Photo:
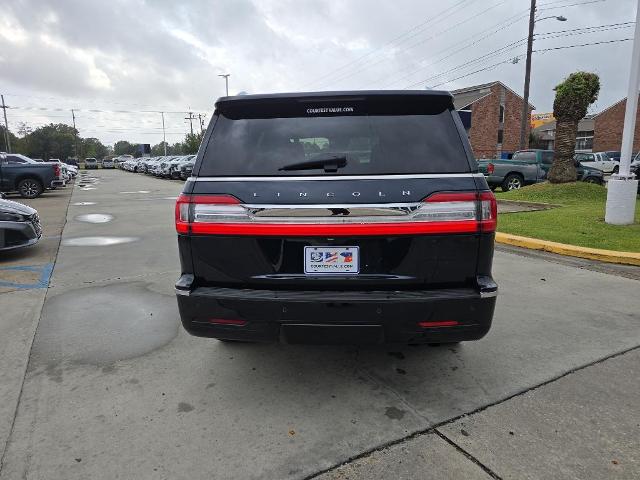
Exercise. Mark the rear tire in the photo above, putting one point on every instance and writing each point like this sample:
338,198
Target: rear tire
513,181
30,188
593,180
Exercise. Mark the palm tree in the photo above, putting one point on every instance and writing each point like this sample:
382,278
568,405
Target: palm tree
573,97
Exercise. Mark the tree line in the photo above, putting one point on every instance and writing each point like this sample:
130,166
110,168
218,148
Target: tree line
58,140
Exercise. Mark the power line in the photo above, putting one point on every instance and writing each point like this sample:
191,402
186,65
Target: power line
384,46
62,109
436,35
570,5
534,51
520,15
588,28
89,100
473,41
580,31
490,67
470,62
511,46
583,45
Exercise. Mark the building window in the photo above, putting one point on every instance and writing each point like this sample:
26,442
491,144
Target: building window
500,136
501,120
584,140
584,143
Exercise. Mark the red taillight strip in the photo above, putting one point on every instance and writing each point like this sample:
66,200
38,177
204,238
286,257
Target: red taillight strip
184,226
338,230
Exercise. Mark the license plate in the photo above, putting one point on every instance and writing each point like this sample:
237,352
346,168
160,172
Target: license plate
331,260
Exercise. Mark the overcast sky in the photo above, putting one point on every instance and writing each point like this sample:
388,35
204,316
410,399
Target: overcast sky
137,56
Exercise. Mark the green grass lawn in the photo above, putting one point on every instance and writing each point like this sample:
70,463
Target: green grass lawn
578,221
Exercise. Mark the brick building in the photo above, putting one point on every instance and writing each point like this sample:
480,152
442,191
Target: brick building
608,128
546,135
491,113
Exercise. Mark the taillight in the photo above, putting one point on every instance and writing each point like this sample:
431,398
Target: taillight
56,170
488,214
449,207
206,209
440,213
491,168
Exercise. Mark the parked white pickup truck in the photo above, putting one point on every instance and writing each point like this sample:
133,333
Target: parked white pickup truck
598,160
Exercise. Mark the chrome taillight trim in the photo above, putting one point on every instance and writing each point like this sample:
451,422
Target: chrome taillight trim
336,214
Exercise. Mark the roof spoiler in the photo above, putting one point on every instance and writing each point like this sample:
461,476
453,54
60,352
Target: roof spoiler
384,102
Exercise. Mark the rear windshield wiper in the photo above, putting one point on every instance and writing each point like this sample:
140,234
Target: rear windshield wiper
329,164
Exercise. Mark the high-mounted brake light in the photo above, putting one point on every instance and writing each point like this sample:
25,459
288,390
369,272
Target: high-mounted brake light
440,213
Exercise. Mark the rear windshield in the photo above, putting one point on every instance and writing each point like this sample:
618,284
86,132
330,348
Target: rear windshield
366,144
524,156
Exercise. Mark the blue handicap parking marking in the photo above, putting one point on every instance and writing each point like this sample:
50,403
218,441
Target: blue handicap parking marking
43,282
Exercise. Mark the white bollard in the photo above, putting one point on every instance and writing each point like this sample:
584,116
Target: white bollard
621,201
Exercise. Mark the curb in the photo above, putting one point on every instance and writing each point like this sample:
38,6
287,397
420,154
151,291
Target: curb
609,256
528,204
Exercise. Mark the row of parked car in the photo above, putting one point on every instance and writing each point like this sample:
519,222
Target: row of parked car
526,167
172,167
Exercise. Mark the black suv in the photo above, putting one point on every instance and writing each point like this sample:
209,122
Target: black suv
338,217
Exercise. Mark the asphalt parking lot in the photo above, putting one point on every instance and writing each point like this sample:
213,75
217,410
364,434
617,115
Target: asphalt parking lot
112,387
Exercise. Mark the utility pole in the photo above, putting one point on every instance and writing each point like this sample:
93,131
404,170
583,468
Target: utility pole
75,135
526,119
191,118
622,188
226,81
201,118
164,136
527,77
6,126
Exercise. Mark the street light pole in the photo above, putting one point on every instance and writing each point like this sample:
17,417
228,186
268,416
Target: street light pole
527,76
75,135
622,188
7,139
226,81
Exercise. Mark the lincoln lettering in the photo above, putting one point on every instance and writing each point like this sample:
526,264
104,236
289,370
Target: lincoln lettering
405,193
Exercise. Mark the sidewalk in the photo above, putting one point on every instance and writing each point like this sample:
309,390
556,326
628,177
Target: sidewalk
584,425
24,275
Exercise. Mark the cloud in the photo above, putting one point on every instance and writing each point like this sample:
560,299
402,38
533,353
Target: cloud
141,55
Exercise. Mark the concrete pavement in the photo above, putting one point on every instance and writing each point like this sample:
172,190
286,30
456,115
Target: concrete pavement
24,275
116,389
585,425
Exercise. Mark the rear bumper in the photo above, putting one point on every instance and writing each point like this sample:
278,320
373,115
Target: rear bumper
333,317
